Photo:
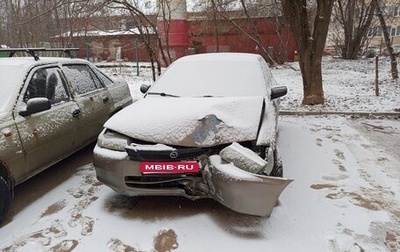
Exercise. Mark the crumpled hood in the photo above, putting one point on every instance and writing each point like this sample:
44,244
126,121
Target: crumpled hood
192,122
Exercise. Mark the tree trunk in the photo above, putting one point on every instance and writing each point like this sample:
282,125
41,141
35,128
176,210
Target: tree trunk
310,29
393,60
216,36
349,28
312,79
355,17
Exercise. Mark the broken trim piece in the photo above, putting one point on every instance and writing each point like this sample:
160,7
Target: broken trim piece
242,191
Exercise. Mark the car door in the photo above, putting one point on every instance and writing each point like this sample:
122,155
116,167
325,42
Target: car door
93,99
48,135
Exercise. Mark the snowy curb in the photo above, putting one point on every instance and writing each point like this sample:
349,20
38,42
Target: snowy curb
321,112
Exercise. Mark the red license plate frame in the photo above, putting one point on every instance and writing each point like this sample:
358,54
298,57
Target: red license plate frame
148,167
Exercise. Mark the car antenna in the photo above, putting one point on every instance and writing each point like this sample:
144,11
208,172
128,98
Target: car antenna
32,52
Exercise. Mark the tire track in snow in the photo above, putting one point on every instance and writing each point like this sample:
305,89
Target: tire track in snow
379,191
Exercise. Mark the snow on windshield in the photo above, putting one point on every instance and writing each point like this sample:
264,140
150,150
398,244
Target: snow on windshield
215,78
9,86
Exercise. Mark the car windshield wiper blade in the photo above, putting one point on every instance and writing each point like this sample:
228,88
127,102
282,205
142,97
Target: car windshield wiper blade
162,94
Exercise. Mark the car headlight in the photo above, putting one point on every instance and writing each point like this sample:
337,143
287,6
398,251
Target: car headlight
112,140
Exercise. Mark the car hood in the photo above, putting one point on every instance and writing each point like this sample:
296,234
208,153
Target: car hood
191,122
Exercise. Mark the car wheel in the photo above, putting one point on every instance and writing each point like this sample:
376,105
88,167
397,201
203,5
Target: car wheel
5,198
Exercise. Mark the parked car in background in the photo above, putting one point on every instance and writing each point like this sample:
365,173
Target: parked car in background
207,128
49,109
331,50
372,51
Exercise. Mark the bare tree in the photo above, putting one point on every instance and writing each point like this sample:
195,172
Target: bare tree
34,23
257,38
309,22
252,33
393,60
355,18
214,18
147,31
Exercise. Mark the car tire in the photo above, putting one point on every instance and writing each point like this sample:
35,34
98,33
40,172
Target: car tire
5,198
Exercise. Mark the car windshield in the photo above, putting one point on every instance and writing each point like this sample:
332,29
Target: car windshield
215,78
10,76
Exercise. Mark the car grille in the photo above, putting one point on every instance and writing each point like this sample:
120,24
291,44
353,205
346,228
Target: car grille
157,182
178,154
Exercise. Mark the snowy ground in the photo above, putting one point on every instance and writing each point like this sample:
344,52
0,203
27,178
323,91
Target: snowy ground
348,86
345,195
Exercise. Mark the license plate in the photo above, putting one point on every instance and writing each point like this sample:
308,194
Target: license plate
169,167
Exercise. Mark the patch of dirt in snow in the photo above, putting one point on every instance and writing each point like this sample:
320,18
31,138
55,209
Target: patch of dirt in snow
86,192
43,238
54,208
166,240
118,245
65,246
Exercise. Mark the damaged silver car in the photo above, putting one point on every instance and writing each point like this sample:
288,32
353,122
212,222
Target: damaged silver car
207,128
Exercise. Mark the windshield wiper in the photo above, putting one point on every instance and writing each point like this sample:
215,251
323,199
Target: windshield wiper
162,94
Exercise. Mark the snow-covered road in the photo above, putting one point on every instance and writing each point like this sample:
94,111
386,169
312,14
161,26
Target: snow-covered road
345,197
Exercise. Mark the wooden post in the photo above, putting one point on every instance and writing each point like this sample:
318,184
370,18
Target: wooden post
376,77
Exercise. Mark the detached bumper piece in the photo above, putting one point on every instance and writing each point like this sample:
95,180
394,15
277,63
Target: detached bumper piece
237,188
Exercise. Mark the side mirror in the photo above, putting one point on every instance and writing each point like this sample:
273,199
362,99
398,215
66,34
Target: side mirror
36,105
144,88
277,92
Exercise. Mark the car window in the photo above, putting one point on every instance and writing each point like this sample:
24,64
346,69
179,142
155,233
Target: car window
47,82
106,80
82,78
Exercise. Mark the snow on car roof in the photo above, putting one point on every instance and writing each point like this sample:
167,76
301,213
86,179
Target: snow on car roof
221,56
215,74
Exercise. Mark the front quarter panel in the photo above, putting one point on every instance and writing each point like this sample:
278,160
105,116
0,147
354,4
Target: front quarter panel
269,124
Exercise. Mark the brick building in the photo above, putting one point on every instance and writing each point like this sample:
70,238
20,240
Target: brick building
200,35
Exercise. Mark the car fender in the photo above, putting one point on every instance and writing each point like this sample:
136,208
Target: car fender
242,191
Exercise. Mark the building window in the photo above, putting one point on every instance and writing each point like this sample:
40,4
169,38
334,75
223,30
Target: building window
394,11
378,31
393,31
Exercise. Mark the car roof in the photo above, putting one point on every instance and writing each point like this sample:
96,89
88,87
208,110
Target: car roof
30,61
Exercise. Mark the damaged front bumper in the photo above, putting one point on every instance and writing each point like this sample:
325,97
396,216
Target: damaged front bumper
242,191
236,177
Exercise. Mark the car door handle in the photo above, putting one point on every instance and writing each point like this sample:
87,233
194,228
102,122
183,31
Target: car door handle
76,113
105,99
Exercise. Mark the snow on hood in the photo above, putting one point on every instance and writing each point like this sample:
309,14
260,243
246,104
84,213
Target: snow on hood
192,122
